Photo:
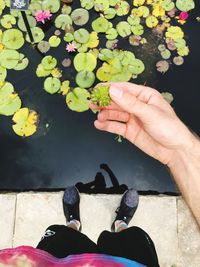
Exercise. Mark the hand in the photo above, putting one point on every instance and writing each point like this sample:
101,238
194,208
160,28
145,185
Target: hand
141,115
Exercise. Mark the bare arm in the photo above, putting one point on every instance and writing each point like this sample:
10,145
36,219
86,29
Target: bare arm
141,115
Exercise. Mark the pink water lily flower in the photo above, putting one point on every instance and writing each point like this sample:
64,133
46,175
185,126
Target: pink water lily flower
71,47
183,15
47,14
40,16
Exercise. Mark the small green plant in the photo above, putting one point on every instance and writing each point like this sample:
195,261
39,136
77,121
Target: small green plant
100,95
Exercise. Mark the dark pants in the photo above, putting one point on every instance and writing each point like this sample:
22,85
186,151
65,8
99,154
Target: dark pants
132,243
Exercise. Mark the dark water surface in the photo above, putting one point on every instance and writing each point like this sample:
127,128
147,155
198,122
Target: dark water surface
70,150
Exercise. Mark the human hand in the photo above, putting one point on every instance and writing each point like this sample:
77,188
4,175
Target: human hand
141,115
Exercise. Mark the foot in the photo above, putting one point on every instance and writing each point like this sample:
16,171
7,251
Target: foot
71,201
127,208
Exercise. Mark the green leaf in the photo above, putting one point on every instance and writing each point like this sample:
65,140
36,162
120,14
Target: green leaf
13,39
77,100
52,85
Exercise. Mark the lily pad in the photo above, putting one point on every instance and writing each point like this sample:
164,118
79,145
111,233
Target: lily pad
87,4
43,46
137,29
133,20
80,16
62,21
101,5
68,37
22,63
168,97
52,5
151,21
9,100
162,66
100,25
25,122
166,54
178,60
111,34
85,79
8,21
64,89
85,61
136,66
42,72
49,62
31,20
38,35
34,7
52,85
66,9
110,13
54,41
13,39
185,5
77,100
168,5
9,58
122,8
123,28
81,36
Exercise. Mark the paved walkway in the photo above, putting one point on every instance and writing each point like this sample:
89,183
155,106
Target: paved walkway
25,216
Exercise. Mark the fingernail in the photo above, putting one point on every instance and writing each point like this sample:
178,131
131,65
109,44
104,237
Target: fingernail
116,92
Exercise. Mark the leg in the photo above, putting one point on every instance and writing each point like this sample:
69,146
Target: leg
132,243
62,241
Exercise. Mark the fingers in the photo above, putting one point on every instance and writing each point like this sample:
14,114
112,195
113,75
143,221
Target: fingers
112,127
113,115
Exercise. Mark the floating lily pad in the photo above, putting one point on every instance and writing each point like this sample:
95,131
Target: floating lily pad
87,4
144,11
110,13
111,34
151,21
52,5
31,20
85,61
112,44
3,73
52,85
25,122
137,29
81,36
42,72
66,62
77,100
122,8
66,9
22,63
133,20
166,54
135,40
85,79
54,41
9,58
9,100
49,62
8,21
100,25
136,66
80,16
62,21
43,46
123,28
178,60
34,7
185,5
38,35
162,66
101,5
13,39
168,5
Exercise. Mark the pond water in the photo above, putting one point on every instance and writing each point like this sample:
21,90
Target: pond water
70,149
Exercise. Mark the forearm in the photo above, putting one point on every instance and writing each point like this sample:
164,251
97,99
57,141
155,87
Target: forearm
185,168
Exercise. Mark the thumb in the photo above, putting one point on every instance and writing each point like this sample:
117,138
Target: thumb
129,102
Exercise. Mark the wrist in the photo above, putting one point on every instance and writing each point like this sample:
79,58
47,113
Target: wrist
183,155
